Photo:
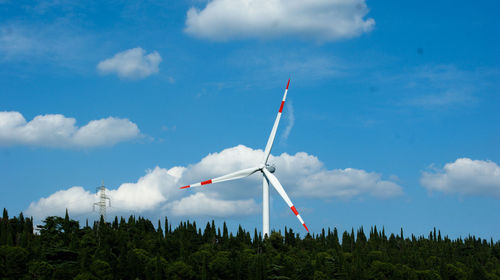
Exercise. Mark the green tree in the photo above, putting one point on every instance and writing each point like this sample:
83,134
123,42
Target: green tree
179,270
137,261
41,270
13,260
85,276
220,266
101,269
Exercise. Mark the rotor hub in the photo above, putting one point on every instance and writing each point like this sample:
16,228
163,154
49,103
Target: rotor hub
270,168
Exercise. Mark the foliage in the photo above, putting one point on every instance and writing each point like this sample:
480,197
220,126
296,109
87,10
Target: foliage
135,249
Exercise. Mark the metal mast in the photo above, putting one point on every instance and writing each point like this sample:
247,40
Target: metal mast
101,191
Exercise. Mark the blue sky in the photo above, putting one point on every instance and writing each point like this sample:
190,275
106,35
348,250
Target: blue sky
391,117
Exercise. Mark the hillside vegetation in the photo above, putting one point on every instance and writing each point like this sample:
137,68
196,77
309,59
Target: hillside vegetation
134,248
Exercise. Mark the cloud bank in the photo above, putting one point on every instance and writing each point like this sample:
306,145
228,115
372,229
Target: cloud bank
55,130
321,20
302,175
132,64
465,177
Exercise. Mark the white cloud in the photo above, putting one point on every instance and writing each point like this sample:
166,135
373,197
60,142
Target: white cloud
157,186
55,130
465,177
149,192
133,63
75,199
302,175
201,204
322,20
346,182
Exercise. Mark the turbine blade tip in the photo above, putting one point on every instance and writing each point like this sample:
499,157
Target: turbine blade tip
306,227
185,187
288,83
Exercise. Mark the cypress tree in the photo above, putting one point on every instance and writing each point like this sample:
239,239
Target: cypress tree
225,237
255,238
3,227
214,234
115,223
159,230
346,242
352,239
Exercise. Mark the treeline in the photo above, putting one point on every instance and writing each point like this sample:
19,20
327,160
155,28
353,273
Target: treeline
134,248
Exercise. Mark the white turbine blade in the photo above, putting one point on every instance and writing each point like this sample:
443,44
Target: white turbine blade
228,177
270,141
277,185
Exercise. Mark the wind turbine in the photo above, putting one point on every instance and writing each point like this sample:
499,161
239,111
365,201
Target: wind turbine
267,171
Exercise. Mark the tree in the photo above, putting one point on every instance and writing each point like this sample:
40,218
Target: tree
41,270
101,270
179,270
220,266
133,248
14,261
137,261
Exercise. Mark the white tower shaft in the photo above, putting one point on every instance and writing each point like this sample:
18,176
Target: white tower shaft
265,207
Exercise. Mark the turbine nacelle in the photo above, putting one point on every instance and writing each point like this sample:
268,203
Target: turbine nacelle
271,168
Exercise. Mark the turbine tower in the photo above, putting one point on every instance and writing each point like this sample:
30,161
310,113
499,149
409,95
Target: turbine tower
101,191
267,176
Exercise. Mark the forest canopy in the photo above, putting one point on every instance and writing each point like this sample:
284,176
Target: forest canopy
134,248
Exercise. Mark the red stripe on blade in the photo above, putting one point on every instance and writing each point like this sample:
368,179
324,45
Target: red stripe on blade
185,187
281,107
288,84
294,210
306,227
206,182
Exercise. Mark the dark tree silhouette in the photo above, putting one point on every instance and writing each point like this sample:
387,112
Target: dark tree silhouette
134,249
